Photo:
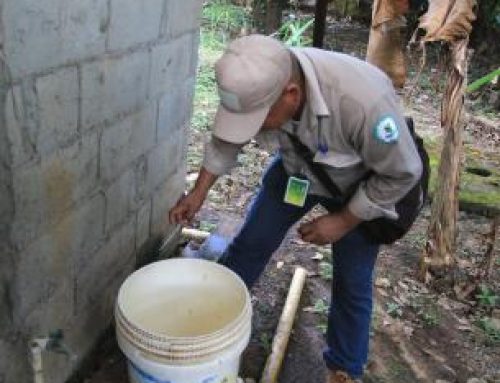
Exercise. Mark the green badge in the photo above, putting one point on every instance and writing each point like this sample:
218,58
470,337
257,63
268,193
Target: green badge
386,130
296,191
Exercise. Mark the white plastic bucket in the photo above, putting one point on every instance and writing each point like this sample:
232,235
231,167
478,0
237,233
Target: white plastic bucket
183,321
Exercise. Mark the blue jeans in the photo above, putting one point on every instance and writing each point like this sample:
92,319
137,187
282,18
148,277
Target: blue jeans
267,223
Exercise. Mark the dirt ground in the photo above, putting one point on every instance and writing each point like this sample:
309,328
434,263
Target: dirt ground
419,333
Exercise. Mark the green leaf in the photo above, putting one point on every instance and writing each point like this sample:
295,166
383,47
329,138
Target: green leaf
326,270
483,81
486,297
320,307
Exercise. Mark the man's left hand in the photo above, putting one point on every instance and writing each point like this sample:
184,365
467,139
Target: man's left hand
328,228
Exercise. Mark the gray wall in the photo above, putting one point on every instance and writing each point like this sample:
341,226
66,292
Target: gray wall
95,101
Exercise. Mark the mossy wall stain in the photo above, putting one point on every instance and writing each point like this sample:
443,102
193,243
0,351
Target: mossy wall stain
474,189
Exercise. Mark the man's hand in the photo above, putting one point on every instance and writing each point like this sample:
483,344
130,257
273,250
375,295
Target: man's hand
328,228
185,209
187,206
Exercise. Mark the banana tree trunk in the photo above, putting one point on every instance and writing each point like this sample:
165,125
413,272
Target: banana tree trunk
449,22
385,44
439,250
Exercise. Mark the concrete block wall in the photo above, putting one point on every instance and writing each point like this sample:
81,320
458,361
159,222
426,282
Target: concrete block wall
95,102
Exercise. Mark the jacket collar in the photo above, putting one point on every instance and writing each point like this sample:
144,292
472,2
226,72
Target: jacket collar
315,98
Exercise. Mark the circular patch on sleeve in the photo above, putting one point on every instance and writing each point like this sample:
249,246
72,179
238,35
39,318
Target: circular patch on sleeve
386,130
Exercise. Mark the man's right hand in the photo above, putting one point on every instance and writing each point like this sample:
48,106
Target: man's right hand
188,205
186,208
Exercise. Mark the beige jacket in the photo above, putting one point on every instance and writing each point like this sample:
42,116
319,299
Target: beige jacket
348,102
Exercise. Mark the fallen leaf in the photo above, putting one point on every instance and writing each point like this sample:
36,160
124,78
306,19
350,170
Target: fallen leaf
404,286
387,322
318,257
382,292
408,331
382,282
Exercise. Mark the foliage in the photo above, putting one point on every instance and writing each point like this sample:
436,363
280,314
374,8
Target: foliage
206,97
207,226
491,331
491,9
394,310
223,16
320,307
266,342
322,327
326,271
486,296
292,33
483,81
430,317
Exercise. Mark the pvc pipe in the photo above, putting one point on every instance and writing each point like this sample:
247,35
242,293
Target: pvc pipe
280,341
37,346
195,234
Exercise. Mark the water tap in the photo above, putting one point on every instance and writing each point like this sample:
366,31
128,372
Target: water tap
53,343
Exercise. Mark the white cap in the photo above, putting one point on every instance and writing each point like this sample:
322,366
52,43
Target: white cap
251,76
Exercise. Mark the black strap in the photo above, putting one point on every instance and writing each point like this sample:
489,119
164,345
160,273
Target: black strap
308,156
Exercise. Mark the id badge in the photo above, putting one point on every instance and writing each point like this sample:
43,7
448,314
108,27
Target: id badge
296,191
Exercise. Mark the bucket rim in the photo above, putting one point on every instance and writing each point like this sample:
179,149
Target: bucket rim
120,315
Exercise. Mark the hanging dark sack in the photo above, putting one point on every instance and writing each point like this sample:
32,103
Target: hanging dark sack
380,230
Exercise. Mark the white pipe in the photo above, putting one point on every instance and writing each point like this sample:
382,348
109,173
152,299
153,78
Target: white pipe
37,346
280,342
195,234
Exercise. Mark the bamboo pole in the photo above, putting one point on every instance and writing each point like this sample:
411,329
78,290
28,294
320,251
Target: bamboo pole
195,234
280,341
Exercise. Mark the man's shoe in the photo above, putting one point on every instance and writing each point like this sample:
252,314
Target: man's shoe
340,377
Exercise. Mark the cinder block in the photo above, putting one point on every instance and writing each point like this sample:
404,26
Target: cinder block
115,257
58,95
14,361
95,314
43,33
164,160
164,198
43,193
182,16
45,269
120,199
170,65
113,86
22,124
174,109
96,289
89,304
124,142
133,22
143,224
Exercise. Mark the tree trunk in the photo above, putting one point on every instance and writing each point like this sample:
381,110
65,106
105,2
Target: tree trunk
273,15
320,23
442,231
267,14
385,44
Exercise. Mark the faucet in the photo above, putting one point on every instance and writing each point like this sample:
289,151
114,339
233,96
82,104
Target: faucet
52,343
